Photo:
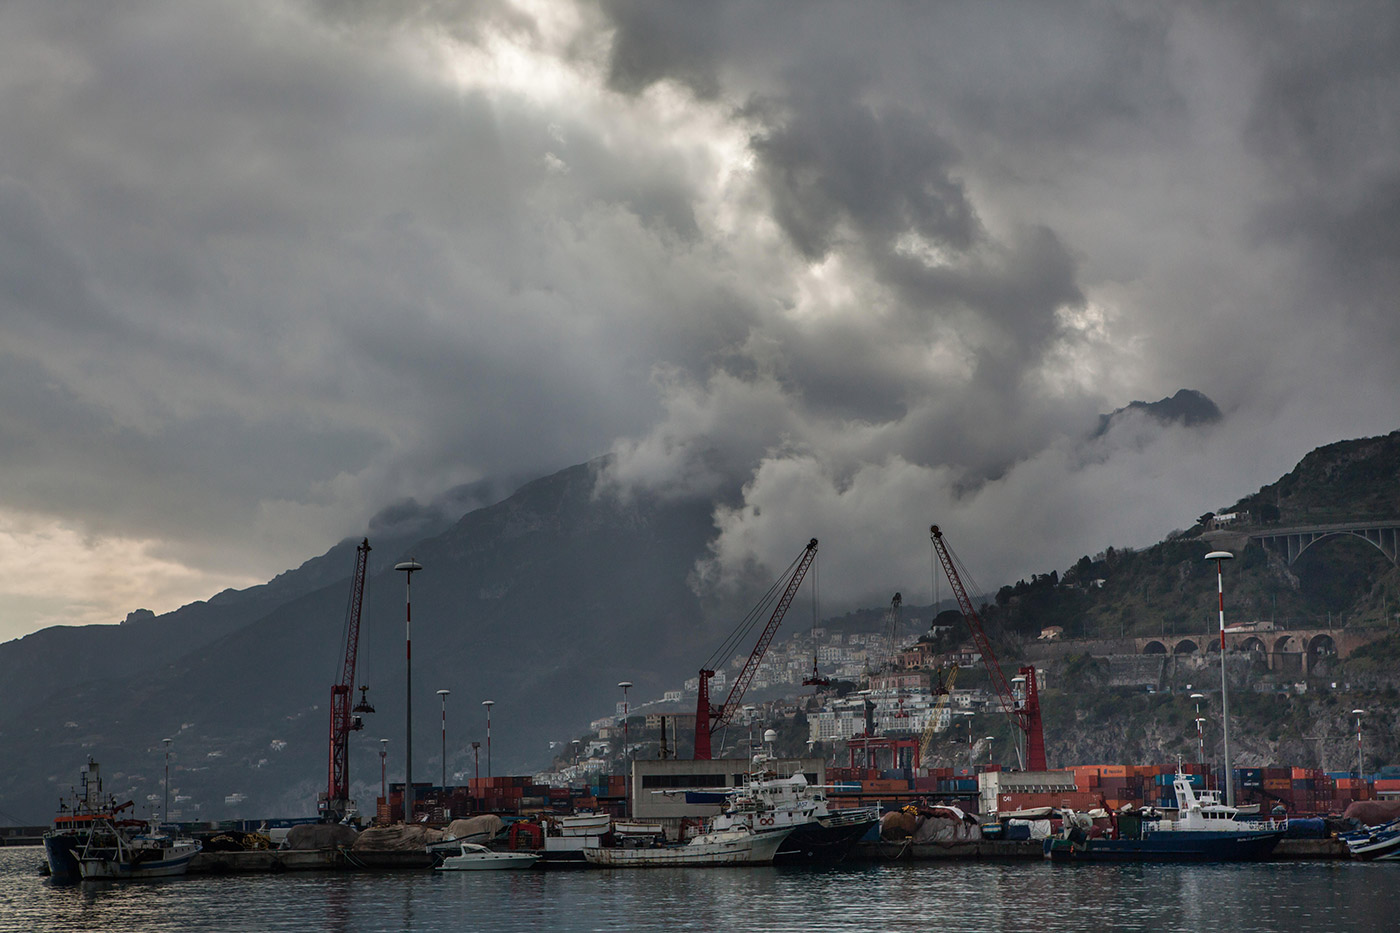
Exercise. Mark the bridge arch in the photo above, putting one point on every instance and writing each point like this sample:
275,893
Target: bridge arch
1154,647
1281,644
1254,643
1321,646
1186,646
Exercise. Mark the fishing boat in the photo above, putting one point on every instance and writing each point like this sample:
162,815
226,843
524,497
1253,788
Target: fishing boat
766,800
112,851
74,821
476,857
1374,843
1205,830
736,846
565,837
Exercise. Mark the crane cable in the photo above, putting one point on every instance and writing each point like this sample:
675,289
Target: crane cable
739,636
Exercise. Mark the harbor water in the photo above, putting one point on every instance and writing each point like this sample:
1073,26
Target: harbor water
947,896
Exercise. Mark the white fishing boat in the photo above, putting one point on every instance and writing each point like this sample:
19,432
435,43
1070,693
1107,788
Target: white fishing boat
113,852
767,800
735,846
475,857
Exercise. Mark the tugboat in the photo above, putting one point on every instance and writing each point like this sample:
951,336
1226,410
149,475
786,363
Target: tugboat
1205,830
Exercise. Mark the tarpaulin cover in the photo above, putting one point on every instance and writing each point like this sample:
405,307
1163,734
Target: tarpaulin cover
398,838
319,836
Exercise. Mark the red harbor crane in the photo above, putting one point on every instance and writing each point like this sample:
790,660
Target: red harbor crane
709,719
335,803
1023,708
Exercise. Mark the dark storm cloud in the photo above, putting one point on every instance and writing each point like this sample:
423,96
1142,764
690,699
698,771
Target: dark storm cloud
830,161
267,267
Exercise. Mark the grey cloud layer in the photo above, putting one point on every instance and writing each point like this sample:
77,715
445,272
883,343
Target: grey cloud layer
266,268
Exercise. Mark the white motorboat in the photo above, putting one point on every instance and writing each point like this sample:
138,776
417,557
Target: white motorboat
475,857
112,852
735,846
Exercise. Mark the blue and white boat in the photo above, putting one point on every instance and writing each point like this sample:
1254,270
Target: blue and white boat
1374,843
1204,830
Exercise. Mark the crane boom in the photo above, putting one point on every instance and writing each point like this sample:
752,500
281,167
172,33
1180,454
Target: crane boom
708,718
1025,713
336,801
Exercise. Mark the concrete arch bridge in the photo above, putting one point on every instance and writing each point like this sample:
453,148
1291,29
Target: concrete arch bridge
1283,650
1383,535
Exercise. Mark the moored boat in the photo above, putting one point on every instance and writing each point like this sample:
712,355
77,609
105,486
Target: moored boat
1374,843
1205,830
74,821
736,846
766,800
475,857
113,852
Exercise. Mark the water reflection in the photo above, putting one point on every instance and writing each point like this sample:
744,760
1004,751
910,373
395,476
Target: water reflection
1282,896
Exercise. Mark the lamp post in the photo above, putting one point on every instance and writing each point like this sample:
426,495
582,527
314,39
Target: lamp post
384,770
165,807
971,768
476,767
1220,557
488,704
1360,768
627,771
443,693
409,568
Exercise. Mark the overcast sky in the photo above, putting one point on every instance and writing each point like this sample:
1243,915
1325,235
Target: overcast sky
267,267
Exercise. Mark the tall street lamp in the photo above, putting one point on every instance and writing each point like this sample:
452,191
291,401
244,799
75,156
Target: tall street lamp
627,771
1360,768
1220,557
409,568
165,807
476,768
488,704
443,694
990,740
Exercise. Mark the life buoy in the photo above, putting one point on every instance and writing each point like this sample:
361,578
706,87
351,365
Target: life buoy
765,820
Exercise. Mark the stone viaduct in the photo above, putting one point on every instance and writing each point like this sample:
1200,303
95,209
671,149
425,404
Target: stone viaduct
1283,650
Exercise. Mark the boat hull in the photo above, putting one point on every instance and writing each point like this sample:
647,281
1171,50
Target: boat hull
111,869
1200,846
725,849
60,849
1379,847
819,841
496,861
